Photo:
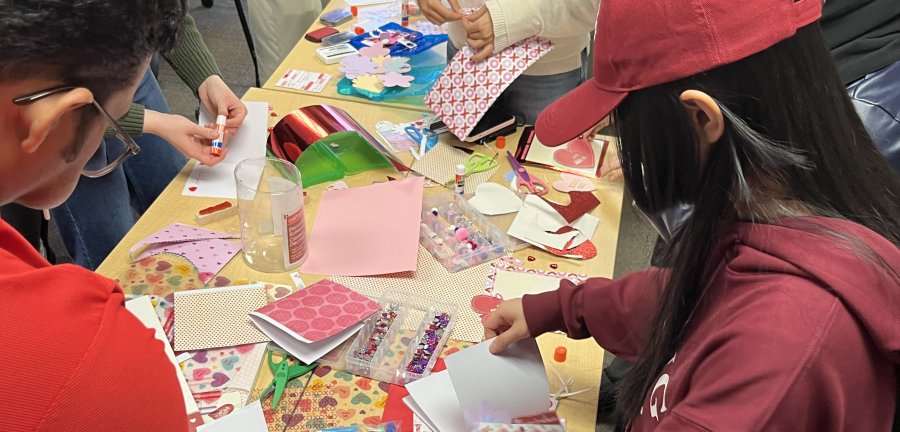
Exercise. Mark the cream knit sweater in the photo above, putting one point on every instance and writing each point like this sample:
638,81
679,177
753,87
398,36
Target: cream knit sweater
568,23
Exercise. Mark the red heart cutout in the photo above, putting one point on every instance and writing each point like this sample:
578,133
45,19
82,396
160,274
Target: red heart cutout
578,153
485,304
192,188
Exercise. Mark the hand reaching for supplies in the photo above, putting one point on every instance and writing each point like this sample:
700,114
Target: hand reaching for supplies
507,323
438,14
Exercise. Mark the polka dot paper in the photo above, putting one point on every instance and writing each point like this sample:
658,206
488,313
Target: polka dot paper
217,317
318,311
208,251
465,90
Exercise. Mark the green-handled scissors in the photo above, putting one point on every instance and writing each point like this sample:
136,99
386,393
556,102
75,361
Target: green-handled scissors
478,162
284,371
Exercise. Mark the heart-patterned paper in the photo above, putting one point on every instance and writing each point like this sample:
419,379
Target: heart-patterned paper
577,153
466,89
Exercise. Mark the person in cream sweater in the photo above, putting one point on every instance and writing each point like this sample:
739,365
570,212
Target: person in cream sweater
497,24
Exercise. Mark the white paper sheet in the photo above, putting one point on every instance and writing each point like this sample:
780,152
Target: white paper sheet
304,350
512,285
248,419
249,142
435,396
143,310
495,199
513,382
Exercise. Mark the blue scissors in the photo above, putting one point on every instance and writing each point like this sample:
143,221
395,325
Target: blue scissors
532,184
425,137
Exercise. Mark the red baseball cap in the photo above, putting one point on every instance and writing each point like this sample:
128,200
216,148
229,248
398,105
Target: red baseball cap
642,43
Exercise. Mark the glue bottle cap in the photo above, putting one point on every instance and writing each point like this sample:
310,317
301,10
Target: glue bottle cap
354,10
501,142
221,119
461,170
559,355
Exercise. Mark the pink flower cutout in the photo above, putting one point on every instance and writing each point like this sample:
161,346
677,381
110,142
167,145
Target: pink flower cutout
355,66
393,79
374,51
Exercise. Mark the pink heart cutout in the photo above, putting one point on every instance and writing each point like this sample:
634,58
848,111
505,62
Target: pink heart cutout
577,153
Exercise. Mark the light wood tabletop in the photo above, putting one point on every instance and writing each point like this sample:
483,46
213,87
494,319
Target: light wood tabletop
585,358
303,57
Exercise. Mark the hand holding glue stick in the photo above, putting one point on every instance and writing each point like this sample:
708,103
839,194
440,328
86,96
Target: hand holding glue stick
219,143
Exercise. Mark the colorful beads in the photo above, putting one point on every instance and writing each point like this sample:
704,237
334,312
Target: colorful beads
379,332
428,343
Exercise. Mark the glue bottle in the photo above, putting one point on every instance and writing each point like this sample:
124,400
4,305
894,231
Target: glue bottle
460,179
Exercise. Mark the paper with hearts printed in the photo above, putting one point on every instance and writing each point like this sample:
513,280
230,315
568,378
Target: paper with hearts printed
333,398
208,251
465,90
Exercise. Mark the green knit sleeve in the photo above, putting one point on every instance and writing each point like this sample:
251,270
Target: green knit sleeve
191,58
132,122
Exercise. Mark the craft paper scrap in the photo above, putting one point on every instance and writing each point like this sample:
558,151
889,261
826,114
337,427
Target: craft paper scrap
316,312
434,400
513,382
495,199
297,79
580,204
248,419
369,230
146,314
537,218
571,183
439,165
217,317
249,142
466,89
208,251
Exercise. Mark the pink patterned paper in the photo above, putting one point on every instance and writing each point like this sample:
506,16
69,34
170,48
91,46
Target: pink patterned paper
318,311
465,90
207,250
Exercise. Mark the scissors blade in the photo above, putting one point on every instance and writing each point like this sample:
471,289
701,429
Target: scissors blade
517,167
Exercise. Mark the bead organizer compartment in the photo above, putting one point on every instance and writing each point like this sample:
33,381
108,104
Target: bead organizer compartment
401,343
457,235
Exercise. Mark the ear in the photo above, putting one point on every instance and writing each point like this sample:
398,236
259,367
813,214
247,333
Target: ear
705,116
42,116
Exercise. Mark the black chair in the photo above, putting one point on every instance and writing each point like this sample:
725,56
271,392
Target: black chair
240,10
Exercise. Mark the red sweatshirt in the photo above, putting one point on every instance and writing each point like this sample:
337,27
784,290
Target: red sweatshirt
74,359
797,333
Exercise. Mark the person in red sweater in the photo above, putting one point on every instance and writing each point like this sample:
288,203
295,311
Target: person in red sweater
780,306
74,359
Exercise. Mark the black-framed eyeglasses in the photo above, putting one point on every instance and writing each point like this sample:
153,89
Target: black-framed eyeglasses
101,163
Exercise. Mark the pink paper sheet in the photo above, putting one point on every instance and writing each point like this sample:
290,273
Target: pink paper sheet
207,250
368,230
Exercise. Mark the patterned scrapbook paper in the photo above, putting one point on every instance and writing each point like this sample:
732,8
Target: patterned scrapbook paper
432,280
333,398
439,165
217,317
319,311
465,90
208,251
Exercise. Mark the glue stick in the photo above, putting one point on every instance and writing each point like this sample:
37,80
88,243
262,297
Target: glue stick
404,19
219,142
460,179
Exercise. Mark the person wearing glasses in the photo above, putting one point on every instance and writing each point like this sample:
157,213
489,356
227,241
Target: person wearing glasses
74,358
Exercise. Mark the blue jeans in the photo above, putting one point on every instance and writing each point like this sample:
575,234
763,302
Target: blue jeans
528,95
101,211
876,98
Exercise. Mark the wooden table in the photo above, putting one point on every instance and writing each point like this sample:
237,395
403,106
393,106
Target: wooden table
303,57
585,359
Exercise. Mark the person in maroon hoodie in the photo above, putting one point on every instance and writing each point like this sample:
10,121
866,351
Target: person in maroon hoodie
780,310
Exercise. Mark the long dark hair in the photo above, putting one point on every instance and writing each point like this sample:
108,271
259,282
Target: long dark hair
791,138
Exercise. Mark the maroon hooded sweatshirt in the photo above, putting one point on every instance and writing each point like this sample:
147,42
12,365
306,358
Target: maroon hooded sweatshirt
798,331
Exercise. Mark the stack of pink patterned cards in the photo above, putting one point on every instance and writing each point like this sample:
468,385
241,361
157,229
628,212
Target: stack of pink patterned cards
314,320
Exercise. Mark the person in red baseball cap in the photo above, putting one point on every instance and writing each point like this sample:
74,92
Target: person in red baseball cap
779,308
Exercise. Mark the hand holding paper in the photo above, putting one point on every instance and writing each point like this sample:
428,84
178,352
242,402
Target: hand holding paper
506,324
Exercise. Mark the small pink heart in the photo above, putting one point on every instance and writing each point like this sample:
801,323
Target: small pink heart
573,183
243,349
201,373
577,153
193,188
